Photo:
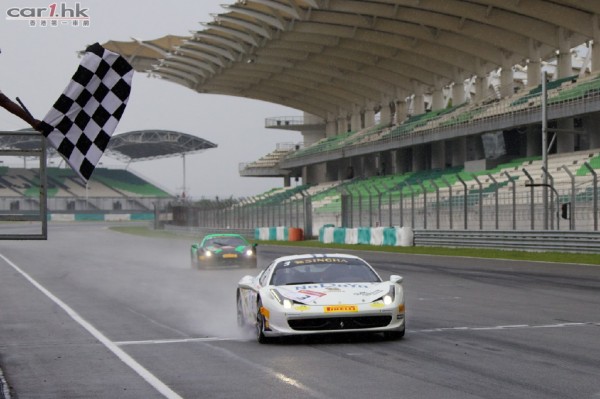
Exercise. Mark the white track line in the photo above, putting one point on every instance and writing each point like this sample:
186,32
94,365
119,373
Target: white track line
124,357
507,327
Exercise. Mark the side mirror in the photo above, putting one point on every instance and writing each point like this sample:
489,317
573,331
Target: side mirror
394,278
255,245
246,282
195,246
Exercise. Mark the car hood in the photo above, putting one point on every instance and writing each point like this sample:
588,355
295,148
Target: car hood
334,293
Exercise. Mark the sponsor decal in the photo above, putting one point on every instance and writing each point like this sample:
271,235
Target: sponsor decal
371,293
377,305
340,308
312,293
330,286
302,308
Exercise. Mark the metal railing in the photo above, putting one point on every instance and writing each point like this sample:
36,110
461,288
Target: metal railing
553,241
506,210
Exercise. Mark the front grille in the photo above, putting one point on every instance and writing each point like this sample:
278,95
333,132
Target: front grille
339,323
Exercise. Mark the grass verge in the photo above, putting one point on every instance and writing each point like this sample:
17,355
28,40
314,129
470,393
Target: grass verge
558,257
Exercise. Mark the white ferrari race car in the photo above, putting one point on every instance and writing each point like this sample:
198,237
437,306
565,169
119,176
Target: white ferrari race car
320,293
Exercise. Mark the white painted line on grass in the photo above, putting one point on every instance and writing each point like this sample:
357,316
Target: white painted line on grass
124,357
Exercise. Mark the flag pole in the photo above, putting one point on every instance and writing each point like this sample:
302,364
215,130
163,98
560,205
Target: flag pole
24,107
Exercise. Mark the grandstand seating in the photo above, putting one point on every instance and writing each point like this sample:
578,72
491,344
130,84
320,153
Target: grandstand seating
560,90
271,160
106,187
326,197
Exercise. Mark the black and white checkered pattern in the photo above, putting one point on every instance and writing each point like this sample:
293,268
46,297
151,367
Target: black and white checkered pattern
83,119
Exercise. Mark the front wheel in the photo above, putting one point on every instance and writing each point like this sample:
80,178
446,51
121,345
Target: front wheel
194,260
260,325
241,320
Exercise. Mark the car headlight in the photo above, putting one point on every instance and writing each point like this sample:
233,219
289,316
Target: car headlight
249,252
388,298
285,302
208,254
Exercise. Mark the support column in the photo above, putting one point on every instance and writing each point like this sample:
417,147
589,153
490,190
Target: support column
418,158
369,166
534,141
506,80
330,126
564,62
534,65
591,125
401,111
438,154
459,151
385,115
458,89
342,124
437,97
565,142
481,88
595,45
370,115
355,119
481,82
475,148
418,99
404,160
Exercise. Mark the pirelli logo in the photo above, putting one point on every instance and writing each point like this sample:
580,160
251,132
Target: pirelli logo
340,308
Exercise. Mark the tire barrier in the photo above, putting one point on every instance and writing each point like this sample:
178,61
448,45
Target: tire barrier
392,236
279,233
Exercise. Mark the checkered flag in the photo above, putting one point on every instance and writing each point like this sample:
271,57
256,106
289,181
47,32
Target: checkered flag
83,119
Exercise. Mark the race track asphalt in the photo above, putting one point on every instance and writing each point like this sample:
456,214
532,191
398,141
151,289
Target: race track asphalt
94,313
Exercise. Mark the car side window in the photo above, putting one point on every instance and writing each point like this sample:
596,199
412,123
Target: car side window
265,275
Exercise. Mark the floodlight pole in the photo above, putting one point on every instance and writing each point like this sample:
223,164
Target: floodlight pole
545,148
184,177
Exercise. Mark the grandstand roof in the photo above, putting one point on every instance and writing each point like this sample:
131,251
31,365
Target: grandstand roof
142,54
324,57
152,144
129,147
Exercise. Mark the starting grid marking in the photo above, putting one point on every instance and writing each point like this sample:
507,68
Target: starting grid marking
424,331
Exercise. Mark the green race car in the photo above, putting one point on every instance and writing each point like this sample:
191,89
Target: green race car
221,250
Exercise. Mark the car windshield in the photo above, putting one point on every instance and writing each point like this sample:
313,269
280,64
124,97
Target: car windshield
323,270
224,242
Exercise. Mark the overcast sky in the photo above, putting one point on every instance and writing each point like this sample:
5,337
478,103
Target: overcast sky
37,62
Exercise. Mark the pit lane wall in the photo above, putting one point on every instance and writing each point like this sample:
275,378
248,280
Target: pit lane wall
392,236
